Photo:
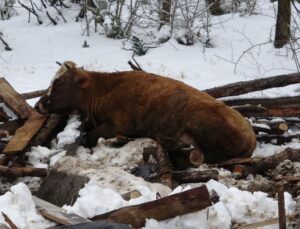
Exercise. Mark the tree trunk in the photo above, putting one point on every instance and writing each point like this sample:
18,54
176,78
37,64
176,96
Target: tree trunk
165,12
214,7
283,32
244,87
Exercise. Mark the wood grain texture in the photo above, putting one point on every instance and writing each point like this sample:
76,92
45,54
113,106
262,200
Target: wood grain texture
25,133
13,100
168,207
57,214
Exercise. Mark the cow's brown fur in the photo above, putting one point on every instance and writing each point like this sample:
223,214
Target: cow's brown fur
139,104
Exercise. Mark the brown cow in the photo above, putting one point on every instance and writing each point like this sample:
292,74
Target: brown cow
139,104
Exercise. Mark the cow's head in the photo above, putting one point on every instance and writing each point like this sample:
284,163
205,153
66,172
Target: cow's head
65,91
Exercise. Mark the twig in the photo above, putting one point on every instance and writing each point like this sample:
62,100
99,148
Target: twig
246,51
281,208
136,66
9,222
7,48
31,11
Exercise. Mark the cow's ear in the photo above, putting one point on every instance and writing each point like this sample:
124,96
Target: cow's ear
83,81
69,65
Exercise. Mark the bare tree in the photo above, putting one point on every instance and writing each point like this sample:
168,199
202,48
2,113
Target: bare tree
215,7
165,12
283,31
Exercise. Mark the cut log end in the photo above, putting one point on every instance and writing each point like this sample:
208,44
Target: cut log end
196,157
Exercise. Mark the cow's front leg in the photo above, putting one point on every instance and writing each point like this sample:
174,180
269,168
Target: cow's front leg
105,130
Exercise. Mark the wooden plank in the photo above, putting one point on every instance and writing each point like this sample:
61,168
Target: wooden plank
25,133
57,214
13,100
263,223
167,207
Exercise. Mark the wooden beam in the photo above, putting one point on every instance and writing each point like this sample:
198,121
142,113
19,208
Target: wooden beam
281,107
23,171
25,133
14,101
57,214
168,207
244,87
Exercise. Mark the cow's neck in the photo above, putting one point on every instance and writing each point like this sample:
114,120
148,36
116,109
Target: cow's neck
102,83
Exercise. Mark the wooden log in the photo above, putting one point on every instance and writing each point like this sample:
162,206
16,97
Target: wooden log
33,94
183,177
274,131
250,109
168,207
185,158
261,165
23,171
25,134
14,101
235,161
271,128
280,107
11,126
57,214
254,85
46,132
277,139
131,195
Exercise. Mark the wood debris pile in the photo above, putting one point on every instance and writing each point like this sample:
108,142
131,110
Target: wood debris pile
275,121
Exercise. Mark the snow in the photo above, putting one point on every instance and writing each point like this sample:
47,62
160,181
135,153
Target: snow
18,205
31,66
70,133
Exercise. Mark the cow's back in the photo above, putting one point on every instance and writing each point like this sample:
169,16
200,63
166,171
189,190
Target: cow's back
159,106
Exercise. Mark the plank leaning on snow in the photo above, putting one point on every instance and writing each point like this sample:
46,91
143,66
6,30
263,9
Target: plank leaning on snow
57,214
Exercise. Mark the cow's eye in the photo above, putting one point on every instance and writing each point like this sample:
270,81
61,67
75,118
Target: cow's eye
59,82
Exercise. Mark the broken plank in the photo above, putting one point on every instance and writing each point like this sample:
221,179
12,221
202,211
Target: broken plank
47,131
11,126
167,207
25,133
13,100
263,223
23,171
57,214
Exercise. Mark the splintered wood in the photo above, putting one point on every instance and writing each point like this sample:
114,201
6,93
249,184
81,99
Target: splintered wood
57,214
25,133
13,100
18,105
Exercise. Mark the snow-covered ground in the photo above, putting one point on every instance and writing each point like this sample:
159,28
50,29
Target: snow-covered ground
31,65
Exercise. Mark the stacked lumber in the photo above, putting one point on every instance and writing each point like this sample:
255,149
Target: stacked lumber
29,129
